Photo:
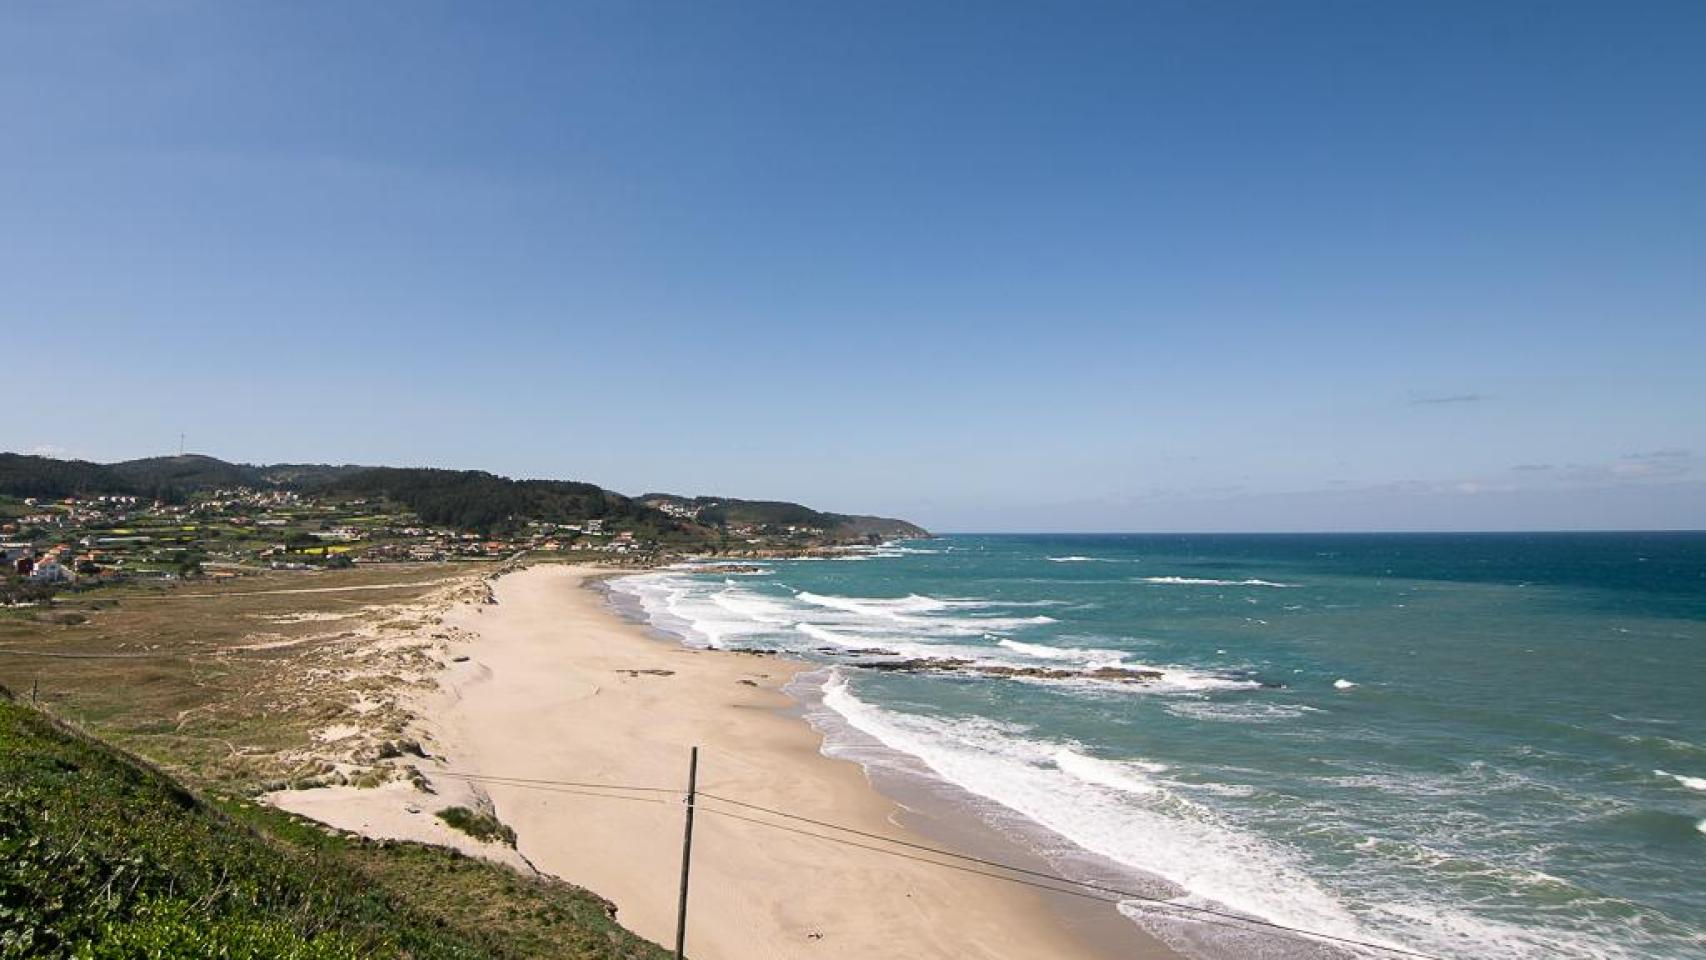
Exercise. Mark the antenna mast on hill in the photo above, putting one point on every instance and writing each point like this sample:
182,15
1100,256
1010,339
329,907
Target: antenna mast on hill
180,444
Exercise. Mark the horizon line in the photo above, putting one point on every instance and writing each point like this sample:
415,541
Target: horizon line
1308,533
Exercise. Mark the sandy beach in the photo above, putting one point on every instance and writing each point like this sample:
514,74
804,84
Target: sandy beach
557,686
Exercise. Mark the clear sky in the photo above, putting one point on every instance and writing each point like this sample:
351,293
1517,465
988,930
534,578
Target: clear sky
1122,266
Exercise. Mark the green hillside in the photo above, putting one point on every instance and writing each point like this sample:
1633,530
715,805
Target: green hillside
727,512
465,499
186,472
103,857
474,499
22,475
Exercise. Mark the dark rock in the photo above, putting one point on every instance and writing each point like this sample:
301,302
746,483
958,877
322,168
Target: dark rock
917,664
960,665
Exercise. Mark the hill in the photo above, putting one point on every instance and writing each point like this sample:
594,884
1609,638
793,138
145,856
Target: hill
193,472
164,478
474,499
728,512
103,857
23,475
464,499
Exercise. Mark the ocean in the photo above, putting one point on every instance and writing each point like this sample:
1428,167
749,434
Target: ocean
1486,746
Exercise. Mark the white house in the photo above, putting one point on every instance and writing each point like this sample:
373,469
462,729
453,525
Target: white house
52,571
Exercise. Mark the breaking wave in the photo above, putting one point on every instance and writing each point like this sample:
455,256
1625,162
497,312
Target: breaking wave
1204,582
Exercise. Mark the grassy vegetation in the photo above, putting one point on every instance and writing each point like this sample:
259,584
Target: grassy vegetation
480,826
225,686
222,684
102,856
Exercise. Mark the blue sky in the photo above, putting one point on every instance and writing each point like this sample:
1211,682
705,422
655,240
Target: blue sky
1183,265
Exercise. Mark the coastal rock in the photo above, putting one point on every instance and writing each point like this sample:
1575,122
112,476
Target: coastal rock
858,652
730,569
917,664
971,667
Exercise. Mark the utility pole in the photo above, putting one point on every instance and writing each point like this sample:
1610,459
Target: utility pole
686,854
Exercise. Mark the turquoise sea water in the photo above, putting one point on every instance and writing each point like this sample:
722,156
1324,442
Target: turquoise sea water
1479,746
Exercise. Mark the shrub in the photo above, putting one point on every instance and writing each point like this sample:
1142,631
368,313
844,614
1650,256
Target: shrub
480,826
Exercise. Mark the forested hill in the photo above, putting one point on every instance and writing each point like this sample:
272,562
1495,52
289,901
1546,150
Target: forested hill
165,478
465,499
476,500
27,476
726,512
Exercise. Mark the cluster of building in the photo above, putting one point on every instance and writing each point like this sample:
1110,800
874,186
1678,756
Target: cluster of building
224,532
54,566
72,512
676,509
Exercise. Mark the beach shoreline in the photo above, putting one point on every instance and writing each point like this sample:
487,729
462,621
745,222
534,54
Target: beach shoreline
554,656
550,682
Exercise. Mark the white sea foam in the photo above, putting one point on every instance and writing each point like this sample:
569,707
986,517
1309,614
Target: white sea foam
1233,711
826,635
1205,582
720,617
893,609
1125,812
715,566
1342,684
1653,720
1127,777
729,615
1444,930
920,613
1085,655
751,606
1172,679
897,646
1692,783
1217,789
1106,807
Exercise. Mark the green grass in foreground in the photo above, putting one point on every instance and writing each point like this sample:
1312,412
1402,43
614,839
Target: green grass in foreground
102,856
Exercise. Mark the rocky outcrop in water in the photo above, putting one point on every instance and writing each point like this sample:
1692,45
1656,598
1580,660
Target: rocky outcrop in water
973,667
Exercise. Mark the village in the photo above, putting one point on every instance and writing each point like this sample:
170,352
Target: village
227,533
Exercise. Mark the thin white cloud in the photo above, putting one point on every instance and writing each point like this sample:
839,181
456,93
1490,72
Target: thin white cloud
1447,398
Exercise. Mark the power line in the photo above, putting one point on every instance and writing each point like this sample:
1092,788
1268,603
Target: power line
519,781
1068,891
1194,913
546,787
1124,894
